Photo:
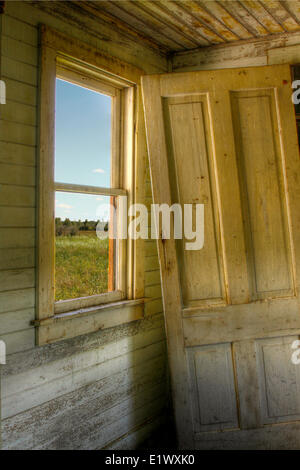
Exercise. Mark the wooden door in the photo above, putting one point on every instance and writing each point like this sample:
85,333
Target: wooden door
227,139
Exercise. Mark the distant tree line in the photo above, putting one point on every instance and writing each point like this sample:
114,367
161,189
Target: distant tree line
72,227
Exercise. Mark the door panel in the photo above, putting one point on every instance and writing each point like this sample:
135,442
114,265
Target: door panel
279,380
212,381
191,163
264,205
227,139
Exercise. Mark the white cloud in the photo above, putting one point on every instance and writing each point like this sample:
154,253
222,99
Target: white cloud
103,211
63,206
98,170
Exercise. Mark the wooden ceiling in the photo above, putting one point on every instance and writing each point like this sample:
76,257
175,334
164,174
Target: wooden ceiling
180,25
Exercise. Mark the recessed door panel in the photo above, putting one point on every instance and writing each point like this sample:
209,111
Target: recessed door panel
192,176
213,389
255,123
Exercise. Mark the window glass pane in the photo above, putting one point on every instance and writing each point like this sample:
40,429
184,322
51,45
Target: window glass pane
82,135
84,259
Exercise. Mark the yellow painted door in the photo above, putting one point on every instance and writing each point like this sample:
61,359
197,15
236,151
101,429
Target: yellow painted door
227,139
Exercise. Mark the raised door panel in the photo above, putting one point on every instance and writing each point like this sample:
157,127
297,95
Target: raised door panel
261,166
279,380
213,396
192,176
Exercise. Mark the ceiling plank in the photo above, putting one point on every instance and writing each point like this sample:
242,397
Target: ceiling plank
88,8
267,20
209,18
151,30
237,10
175,26
281,14
182,12
294,9
227,19
156,9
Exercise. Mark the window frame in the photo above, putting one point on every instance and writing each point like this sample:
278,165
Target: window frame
71,60
68,72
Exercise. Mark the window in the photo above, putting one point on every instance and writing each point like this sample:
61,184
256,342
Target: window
89,265
101,286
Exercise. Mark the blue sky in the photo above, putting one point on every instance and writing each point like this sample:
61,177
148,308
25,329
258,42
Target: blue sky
82,149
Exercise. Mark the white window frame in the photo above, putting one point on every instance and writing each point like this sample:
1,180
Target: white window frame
66,58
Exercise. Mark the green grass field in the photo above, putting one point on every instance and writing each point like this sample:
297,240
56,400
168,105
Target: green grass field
81,266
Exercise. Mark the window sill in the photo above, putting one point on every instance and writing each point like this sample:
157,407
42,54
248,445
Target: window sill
82,303
87,320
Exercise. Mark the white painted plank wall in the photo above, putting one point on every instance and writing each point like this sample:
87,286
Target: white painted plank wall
59,400
17,178
98,390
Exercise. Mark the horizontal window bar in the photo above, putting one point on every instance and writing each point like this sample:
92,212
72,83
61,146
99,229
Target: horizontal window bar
81,188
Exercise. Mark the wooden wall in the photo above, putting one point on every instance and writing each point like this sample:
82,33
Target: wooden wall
104,389
252,53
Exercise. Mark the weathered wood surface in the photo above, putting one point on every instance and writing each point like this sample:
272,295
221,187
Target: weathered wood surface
18,147
106,38
185,24
158,154
93,376
93,319
227,139
17,195
137,436
44,355
248,54
123,369
266,438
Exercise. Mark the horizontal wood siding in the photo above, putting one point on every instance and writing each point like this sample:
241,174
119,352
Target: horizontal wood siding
106,389
73,391
17,177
